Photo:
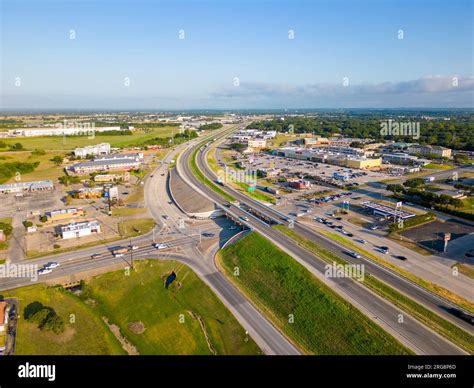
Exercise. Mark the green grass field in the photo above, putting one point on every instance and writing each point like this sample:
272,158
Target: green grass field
324,323
45,170
428,317
141,297
135,227
88,335
438,166
68,143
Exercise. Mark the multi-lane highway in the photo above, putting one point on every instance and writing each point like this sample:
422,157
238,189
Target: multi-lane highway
415,335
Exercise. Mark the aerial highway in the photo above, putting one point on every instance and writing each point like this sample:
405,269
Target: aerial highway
434,302
412,333
182,245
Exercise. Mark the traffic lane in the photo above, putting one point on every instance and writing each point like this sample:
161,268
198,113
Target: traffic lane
389,314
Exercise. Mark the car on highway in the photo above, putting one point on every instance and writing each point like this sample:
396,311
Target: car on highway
245,218
95,255
160,246
207,234
373,227
353,254
383,250
402,258
349,234
166,217
151,176
44,271
51,265
360,240
133,247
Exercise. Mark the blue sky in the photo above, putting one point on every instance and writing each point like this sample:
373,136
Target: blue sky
352,40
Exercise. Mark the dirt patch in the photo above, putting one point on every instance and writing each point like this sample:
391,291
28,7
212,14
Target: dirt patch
136,327
126,345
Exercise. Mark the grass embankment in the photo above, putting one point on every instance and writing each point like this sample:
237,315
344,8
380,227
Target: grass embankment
438,166
135,227
324,323
198,173
87,335
142,297
128,211
465,269
429,318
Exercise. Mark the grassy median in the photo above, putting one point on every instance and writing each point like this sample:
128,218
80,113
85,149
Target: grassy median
423,314
311,314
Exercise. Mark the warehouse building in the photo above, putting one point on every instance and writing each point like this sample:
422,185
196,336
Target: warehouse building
29,187
63,214
79,229
95,150
105,165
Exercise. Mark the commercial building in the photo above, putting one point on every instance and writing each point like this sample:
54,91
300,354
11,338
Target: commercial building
316,141
299,184
362,163
137,156
30,187
441,152
107,178
58,131
350,151
387,211
257,144
90,192
105,165
404,159
324,156
80,229
98,149
63,214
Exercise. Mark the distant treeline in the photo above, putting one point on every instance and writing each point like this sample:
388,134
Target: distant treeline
176,139
457,133
210,126
10,169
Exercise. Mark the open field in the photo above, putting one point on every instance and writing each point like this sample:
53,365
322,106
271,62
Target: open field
283,289
438,166
68,143
45,170
166,314
87,335
428,317
128,211
135,227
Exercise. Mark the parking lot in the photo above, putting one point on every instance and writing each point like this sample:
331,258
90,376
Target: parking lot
294,167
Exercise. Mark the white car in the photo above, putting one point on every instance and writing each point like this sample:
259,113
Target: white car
361,241
134,247
374,227
160,246
44,271
51,265
118,255
354,254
